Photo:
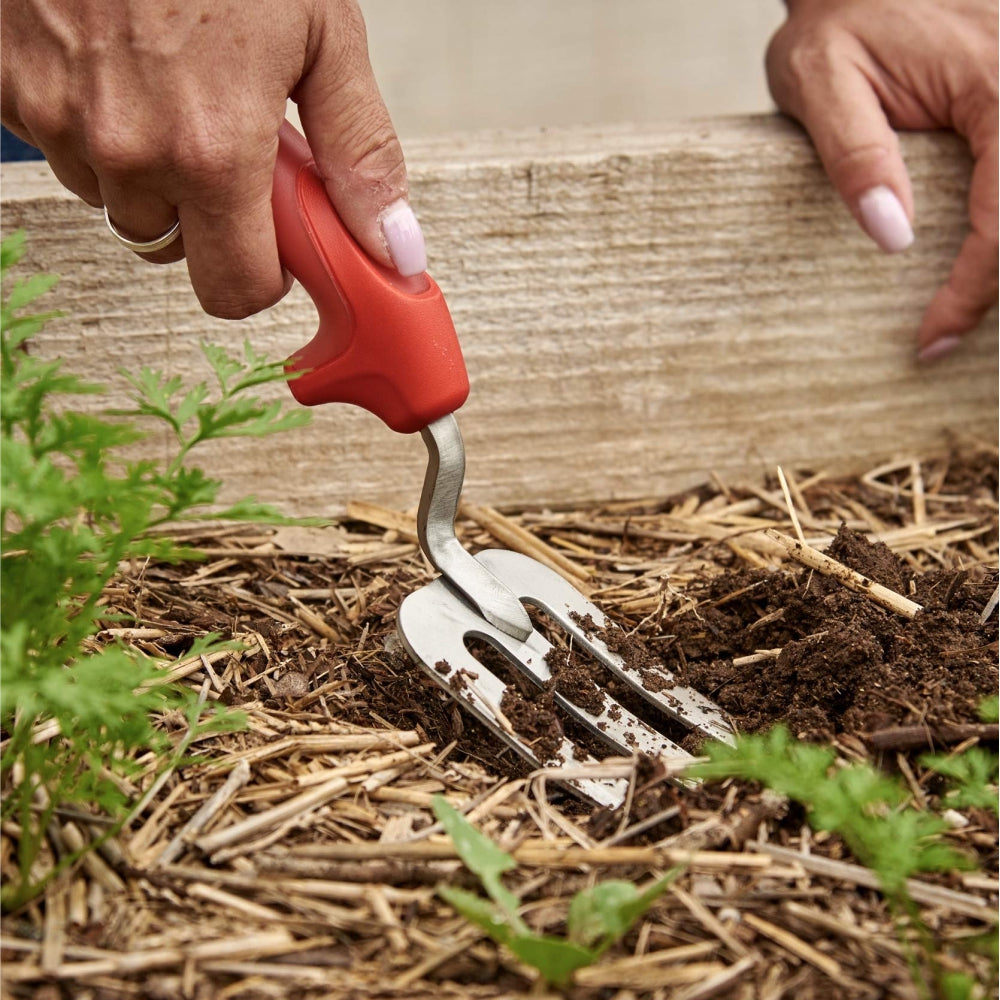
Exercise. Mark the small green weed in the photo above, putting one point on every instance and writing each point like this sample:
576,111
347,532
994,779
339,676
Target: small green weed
857,801
596,918
870,811
71,510
972,773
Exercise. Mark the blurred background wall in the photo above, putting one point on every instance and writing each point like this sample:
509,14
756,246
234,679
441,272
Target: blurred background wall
459,65
465,65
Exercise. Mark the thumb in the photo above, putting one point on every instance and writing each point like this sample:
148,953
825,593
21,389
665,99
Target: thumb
355,145
835,102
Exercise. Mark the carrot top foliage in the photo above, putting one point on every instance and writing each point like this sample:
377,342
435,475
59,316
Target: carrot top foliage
73,507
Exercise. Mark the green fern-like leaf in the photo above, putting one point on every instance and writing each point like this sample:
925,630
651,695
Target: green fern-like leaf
73,506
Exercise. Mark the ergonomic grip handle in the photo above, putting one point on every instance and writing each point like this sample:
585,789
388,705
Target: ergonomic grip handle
385,342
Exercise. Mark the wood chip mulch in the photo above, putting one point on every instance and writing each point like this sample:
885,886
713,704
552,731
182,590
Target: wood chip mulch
299,856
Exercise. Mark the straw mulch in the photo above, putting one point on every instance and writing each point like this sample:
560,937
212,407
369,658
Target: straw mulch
298,857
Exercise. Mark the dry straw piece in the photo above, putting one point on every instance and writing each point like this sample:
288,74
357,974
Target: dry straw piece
816,560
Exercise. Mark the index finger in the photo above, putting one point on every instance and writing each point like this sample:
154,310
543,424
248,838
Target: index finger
230,244
823,85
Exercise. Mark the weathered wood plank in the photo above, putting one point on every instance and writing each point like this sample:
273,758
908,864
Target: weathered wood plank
637,308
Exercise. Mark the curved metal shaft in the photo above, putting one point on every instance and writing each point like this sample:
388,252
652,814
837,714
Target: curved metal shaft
436,529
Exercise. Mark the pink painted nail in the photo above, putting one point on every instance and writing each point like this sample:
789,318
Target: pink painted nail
403,238
885,220
939,348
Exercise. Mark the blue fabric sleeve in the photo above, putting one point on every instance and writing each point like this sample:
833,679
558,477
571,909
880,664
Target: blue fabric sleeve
13,148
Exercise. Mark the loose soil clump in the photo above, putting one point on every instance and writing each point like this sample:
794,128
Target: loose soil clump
843,663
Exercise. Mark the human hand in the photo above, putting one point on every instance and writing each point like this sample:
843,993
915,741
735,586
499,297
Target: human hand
171,111
852,70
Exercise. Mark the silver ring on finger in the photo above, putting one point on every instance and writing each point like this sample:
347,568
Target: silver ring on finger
143,246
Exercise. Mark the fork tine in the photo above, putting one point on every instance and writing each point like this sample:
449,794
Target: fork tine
433,623
614,724
538,585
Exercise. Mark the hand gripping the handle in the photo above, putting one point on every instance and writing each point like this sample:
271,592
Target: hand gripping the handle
385,342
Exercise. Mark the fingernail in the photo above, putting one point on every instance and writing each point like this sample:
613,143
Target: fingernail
885,219
939,348
403,238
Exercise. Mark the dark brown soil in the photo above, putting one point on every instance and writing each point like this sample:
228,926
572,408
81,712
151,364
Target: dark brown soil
574,680
536,720
846,665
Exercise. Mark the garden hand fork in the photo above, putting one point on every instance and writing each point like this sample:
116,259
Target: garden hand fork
387,343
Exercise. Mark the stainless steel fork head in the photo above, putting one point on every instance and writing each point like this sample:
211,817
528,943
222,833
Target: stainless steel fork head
435,624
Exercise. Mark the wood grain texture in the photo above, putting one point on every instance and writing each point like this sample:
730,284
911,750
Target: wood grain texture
638,308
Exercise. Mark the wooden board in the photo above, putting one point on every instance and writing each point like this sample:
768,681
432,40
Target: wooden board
638,308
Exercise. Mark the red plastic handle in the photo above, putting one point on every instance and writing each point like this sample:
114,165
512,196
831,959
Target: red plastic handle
385,342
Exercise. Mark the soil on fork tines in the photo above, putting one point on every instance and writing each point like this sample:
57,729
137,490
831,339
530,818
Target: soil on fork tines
298,857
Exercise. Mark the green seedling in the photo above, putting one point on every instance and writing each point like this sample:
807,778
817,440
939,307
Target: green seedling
989,709
596,918
869,810
75,713
973,774
858,802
